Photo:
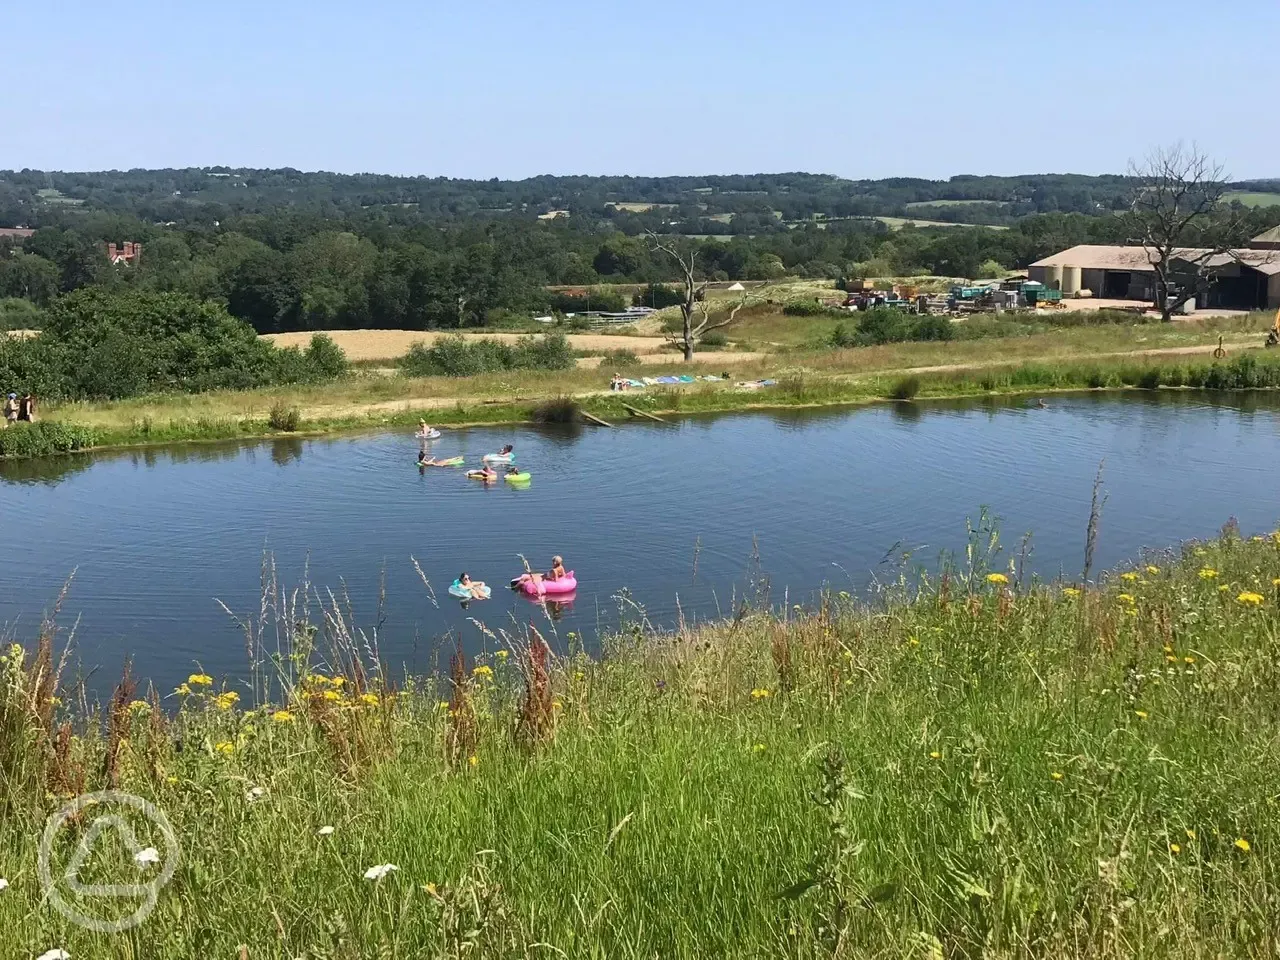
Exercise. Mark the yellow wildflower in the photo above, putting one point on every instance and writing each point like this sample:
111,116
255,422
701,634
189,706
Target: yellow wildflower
1191,834
911,642
484,671
1171,658
200,680
1175,849
1208,573
1056,775
1129,575
1127,598
332,695
1188,660
1140,714
473,760
758,748
760,693
139,706
338,681
1242,845
502,654
997,578
282,716
226,748
557,704
369,698
319,679
442,706
1153,570
432,889
935,755
226,700
1250,599
1223,589
183,690
1070,592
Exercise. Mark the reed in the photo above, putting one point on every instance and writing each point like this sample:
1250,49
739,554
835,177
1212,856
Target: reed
965,765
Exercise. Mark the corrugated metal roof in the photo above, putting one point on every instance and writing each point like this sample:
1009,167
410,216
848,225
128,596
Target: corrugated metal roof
1090,256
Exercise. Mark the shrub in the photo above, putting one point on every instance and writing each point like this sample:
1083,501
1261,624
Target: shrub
713,339
658,295
1149,379
1095,379
619,359
325,359
842,337
44,438
905,389
456,356
556,410
809,308
284,417
19,314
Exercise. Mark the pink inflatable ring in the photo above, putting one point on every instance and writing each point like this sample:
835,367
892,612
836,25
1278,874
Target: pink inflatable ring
549,588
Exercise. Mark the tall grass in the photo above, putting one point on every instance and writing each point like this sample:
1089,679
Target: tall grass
980,767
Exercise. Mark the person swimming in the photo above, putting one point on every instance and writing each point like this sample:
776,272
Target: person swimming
486,473
476,588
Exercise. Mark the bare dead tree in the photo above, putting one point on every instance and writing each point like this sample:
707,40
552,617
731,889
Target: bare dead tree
696,315
1178,217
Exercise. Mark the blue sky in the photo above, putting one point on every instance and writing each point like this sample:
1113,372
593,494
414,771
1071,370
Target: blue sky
506,89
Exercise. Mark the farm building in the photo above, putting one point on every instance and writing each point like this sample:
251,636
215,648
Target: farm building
1246,279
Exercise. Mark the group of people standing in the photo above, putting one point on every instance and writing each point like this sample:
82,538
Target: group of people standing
19,409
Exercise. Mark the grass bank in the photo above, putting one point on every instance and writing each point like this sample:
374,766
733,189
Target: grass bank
1110,357
980,768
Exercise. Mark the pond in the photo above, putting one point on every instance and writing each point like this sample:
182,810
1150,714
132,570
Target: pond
673,520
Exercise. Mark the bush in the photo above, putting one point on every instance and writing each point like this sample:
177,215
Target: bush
456,356
658,295
44,438
19,314
1095,379
97,344
842,337
556,410
1149,379
713,339
905,389
284,417
619,359
325,359
810,308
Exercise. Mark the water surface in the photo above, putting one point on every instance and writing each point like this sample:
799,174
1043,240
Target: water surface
822,498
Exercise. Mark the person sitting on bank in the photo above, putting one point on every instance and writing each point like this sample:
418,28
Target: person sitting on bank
27,408
11,409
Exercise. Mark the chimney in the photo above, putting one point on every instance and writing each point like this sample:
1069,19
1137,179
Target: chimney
111,251
137,251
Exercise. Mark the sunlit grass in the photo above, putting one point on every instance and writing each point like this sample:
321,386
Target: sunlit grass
983,768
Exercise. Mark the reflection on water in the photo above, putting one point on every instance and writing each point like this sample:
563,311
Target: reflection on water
654,517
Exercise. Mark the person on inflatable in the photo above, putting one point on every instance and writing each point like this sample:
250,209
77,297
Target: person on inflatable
556,572
485,473
476,587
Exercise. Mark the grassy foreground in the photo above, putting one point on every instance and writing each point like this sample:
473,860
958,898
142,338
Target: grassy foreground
980,768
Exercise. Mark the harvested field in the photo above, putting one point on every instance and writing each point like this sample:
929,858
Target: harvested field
388,344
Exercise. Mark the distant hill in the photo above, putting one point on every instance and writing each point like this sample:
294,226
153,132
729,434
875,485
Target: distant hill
707,205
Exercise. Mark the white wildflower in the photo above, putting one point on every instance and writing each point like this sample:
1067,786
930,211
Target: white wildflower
324,831
257,793
147,857
57,953
4,884
380,871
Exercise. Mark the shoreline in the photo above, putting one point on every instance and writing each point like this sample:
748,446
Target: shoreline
1146,371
